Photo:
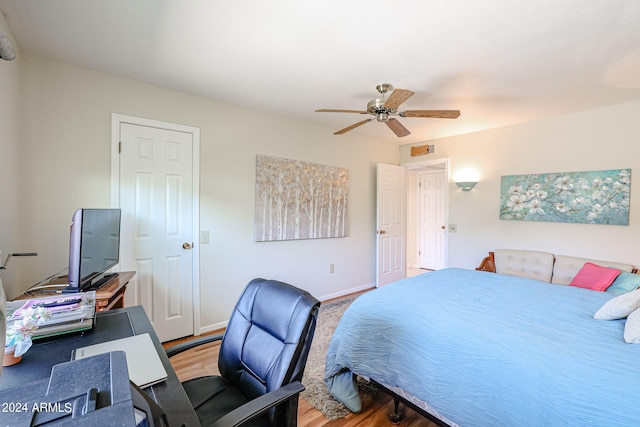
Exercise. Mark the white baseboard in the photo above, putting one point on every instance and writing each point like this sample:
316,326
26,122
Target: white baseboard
347,292
213,327
222,325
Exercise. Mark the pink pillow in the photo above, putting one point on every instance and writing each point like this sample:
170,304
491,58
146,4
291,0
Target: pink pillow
592,276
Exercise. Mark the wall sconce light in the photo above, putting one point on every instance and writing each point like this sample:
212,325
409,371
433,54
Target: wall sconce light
6,261
466,186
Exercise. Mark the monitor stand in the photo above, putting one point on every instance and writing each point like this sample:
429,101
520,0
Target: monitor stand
100,282
94,286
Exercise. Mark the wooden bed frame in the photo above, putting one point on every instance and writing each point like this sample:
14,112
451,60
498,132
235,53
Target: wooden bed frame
488,264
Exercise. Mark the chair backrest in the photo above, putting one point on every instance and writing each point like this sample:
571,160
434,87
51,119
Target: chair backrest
268,337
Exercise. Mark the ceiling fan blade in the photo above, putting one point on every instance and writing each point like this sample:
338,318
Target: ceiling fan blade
330,110
437,114
397,97
397,128
347,129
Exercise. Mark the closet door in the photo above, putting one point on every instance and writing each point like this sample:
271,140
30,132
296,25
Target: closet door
156,198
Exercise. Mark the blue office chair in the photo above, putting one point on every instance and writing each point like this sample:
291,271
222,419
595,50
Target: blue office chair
262,357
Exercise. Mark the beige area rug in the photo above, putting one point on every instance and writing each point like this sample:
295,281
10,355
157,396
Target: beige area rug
316,392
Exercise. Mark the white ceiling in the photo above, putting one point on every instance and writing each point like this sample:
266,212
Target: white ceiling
499,62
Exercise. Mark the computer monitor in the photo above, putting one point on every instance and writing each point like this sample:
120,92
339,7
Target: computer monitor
94,247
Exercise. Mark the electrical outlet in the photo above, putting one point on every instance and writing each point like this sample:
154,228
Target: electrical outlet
204,237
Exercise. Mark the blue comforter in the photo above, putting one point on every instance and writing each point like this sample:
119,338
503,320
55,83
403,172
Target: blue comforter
485,349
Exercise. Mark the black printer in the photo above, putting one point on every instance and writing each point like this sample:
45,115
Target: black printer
95,391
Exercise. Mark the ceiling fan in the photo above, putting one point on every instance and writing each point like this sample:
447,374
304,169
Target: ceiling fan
382,109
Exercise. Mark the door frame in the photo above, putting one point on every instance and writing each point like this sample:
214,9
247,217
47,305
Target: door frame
443,164
116,121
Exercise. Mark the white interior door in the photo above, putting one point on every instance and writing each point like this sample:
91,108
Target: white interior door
431,219
156,198
391,223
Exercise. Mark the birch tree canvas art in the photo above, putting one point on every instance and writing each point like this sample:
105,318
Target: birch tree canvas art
299,200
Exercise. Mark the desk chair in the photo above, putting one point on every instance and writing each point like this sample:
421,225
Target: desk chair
262,357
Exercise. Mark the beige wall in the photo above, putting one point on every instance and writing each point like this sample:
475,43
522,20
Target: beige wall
605,138
54,157
66,143
10,168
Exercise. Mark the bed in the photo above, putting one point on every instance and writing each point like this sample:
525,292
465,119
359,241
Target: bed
473,348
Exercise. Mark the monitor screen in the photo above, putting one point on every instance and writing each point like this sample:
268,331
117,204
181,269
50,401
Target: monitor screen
94,245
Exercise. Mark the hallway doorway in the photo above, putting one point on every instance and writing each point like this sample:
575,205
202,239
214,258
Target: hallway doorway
427,214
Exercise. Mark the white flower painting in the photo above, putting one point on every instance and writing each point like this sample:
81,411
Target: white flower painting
299,200
592,197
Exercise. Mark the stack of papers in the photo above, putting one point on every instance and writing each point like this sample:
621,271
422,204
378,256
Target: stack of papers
65,313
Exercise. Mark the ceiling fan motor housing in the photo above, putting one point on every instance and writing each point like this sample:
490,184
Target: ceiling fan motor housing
377,108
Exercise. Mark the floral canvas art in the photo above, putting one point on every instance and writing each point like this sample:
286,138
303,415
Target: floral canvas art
591,197
299,200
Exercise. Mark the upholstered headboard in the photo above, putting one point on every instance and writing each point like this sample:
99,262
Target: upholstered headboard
530,264
567,267
543,266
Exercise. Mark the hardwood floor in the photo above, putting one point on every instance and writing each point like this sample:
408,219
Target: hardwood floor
204,361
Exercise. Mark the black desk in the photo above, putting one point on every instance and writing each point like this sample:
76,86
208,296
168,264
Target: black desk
110,325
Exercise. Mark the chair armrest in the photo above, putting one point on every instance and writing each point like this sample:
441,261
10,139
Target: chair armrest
179,348
260,405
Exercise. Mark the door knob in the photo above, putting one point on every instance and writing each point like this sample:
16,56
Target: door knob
186,245
382,232
442,227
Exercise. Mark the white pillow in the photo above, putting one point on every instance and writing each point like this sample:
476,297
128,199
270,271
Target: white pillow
632,328
619,307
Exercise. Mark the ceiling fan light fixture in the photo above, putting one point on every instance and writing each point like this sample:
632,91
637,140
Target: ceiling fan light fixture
382,117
